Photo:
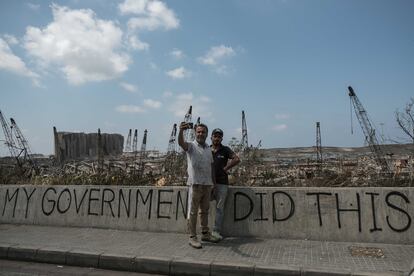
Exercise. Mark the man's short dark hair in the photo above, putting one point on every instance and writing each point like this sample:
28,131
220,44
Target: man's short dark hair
201,125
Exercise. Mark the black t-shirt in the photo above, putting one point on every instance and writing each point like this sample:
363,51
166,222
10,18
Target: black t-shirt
221,156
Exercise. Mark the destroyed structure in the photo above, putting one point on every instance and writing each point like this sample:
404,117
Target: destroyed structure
69,145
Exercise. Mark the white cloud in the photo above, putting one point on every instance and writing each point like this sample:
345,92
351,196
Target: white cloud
181,103
282,116
152,104
216,54
129,87
280,127
150,15
136,44
11,62
82,46
177,54
11,39
179,73
133,6
129,109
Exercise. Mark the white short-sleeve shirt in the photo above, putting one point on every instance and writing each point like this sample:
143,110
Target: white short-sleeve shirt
199,160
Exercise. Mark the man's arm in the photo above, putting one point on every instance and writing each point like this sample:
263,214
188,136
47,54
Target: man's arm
234,160
213,173
181,142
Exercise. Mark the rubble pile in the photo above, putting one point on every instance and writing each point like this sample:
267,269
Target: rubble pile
258,168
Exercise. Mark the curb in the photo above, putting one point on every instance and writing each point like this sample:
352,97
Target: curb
164,266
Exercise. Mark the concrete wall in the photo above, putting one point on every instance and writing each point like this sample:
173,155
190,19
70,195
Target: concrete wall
336,214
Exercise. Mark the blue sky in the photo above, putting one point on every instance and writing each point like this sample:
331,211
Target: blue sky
116,65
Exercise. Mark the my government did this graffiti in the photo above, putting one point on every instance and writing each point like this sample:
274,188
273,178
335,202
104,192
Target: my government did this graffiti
369,214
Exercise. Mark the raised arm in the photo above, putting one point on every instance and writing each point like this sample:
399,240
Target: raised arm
181,142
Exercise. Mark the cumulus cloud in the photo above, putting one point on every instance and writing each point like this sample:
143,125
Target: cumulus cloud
152,104
129,87
216,54
12,63
129,109
11,39
280,127
84,47
135,43
149,15
177,54
179,73
181,103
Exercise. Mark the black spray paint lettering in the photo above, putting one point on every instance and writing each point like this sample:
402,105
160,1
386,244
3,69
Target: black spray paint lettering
250,203
7,199
144,201
180,202
127,206
390,204
47,213
61,202
107,201
374,217
28,197
78,206
339,210
251,206
318,204
274,209
160,202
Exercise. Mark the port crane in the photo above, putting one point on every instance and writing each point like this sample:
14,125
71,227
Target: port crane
369,130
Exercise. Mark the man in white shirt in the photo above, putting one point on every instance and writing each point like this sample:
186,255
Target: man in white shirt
200,181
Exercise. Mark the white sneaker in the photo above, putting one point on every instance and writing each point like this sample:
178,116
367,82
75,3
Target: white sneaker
194,242
217,235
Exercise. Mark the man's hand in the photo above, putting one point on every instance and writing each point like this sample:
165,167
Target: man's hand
181,142
184,126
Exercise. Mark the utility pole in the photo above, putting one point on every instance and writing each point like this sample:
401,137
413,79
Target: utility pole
244,141
318,145
128,142
368,130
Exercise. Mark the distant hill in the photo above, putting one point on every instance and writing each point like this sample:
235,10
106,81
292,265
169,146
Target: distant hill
397,151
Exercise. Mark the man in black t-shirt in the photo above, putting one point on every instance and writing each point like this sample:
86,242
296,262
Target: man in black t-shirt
222,155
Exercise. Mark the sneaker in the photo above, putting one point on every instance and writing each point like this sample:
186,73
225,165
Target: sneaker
209,238
217,235
194,242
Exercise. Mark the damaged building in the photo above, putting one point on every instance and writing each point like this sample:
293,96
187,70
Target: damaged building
70,145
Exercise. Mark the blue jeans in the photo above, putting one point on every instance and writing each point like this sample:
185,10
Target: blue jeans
220,195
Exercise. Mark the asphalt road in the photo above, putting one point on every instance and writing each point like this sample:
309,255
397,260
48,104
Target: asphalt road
18,268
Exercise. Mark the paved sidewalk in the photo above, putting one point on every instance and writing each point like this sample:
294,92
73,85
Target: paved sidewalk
169,253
